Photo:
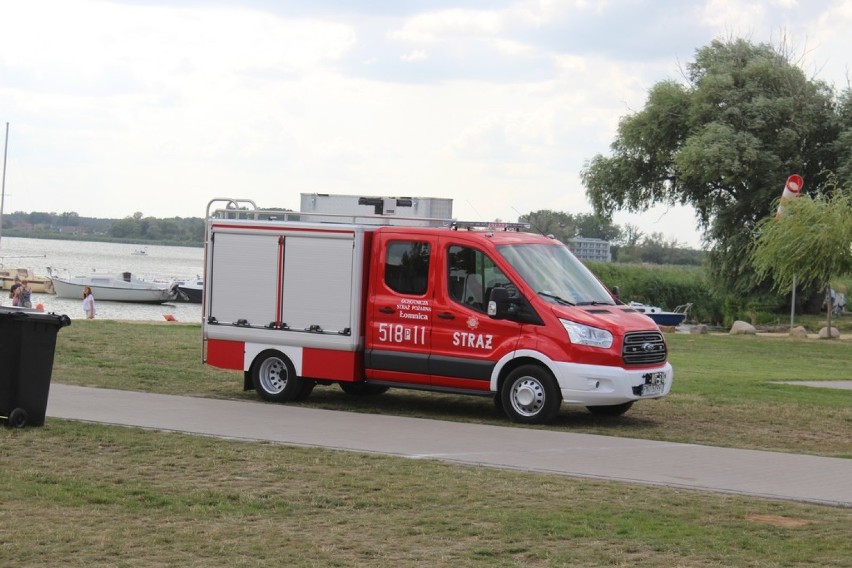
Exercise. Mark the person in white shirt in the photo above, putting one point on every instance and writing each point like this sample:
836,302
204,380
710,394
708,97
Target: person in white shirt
88,303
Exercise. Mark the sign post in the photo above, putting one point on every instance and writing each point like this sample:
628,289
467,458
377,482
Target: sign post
792,190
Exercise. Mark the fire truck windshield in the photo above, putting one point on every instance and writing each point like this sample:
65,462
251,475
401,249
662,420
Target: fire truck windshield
555,274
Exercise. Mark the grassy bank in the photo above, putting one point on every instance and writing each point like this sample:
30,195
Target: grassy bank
725,392
77,494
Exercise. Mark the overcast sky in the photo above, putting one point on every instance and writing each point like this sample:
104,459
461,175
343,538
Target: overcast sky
159,106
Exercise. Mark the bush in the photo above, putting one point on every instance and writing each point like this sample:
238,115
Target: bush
663,285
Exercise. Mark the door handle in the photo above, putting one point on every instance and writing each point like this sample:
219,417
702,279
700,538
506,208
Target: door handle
446,316
387,310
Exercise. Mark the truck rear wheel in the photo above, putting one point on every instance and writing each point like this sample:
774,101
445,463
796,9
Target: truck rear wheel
530,395
274,378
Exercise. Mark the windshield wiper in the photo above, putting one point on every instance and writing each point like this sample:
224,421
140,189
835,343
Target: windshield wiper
595,303
556,298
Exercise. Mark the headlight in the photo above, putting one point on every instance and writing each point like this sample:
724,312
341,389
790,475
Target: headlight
586,335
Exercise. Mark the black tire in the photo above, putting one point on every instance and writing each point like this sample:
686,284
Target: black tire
17,418
363,389
498,403
530,395
274,378
610,410
307,387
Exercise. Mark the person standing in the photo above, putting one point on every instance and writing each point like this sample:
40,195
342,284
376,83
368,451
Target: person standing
26,293
14,294
88,303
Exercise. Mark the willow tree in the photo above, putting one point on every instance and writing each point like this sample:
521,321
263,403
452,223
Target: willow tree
722,140
811,243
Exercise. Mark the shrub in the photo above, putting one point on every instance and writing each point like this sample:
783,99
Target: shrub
663,285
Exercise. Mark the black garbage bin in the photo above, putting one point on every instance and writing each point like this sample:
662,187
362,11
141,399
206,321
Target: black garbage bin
27,345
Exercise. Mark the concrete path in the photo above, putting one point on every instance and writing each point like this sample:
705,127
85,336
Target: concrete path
843,385
686,466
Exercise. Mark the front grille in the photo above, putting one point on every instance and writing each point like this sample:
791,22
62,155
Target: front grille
643,348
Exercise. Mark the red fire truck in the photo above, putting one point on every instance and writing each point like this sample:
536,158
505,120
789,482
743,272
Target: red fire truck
458,308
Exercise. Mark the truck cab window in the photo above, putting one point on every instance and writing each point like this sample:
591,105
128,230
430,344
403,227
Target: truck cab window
472,275
407,267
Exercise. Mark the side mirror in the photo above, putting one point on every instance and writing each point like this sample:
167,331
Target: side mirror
498,303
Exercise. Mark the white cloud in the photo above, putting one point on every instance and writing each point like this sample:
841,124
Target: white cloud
440,25
416,55
119,107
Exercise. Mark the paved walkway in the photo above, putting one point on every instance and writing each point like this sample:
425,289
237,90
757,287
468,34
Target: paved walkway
843,385
686,466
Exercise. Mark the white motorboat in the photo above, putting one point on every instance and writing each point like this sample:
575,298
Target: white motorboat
123,287
660,316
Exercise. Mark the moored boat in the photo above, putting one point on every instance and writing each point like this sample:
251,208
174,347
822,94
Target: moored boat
123,287
38,284
660,316
190,290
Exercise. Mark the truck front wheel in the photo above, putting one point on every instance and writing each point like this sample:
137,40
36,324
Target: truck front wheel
274,378
530,395
611,410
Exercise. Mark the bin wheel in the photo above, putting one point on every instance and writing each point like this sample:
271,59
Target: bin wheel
17,418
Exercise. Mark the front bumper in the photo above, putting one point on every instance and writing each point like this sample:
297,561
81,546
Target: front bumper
597,385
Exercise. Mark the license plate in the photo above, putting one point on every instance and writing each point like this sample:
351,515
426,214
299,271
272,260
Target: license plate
652,389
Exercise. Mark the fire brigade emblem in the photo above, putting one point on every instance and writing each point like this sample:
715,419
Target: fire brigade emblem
472,323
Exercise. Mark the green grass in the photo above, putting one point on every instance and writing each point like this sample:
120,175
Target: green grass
724,392
76,494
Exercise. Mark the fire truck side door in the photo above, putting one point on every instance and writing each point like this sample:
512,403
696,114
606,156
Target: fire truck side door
466,342
399,309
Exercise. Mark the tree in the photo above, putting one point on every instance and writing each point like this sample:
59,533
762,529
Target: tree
593,226
811,242
724,143
565,226
560,225
69,219
631,235
843,145
124,228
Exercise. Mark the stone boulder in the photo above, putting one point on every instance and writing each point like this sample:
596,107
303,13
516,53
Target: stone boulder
826,333
698,329
799,331
742,328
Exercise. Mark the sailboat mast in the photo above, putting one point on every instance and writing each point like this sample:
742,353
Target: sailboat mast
3,192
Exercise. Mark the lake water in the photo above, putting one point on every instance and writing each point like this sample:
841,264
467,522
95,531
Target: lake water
78,258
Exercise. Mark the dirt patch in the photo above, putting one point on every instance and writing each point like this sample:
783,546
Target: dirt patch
778,521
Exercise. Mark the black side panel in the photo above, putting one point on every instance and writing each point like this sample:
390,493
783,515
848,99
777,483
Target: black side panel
460,368
397,361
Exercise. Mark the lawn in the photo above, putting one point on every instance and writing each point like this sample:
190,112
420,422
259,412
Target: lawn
78,494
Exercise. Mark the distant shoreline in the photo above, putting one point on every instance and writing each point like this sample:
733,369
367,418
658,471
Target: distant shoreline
47,235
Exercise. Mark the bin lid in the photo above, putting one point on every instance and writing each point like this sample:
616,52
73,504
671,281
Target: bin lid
12,313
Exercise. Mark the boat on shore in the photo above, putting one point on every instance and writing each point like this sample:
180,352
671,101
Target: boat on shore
122,287
190,290
38,284
660,316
